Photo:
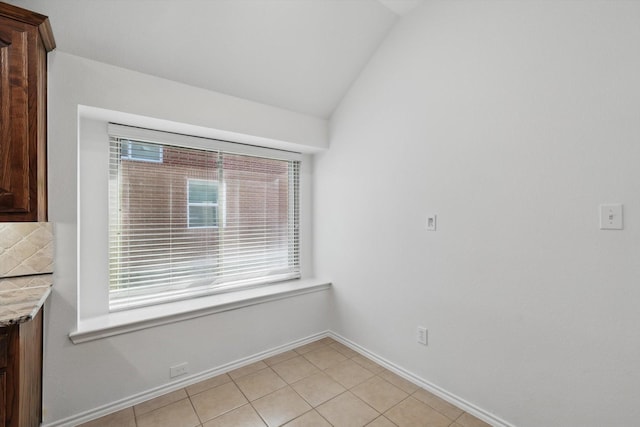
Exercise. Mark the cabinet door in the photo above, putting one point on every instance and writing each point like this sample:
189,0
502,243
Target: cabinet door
17,154
3,399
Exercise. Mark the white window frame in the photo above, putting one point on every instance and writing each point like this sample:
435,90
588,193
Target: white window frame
217,204
94,320
129,153
139,299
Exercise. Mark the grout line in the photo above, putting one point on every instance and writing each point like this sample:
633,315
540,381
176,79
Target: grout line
313,408
322,416
162,406
259,414
441,413
193,406
300,416
233,381
296,392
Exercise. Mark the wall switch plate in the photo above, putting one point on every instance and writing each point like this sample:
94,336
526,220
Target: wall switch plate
177,370
431,222
611,217
422,335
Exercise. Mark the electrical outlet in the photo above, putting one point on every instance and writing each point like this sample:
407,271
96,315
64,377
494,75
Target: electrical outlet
422,335
431,222
177,370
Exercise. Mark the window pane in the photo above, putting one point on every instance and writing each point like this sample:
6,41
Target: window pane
197,222
203,192
141,151
203,216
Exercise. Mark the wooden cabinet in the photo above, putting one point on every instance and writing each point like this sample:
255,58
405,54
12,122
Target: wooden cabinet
3,398
21,374
25,39
4,339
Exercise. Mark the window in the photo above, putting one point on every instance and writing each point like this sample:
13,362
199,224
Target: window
202,200
141,152
167,240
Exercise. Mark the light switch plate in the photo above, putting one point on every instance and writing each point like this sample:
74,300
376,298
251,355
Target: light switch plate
611,217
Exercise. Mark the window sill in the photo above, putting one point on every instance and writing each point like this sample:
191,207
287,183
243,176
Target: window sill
146,317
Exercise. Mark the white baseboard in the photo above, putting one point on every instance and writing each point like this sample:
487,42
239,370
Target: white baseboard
192,379
440,392
135,399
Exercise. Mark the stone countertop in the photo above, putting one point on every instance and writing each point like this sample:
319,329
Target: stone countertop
22,297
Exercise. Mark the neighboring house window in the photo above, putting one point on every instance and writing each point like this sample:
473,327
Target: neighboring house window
210,216
140,151
202,200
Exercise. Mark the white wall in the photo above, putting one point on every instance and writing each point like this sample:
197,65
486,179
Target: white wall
512,121
83,377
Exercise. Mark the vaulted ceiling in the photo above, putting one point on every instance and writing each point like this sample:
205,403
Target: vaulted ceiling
300,55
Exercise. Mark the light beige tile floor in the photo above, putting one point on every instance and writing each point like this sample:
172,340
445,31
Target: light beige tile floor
320,384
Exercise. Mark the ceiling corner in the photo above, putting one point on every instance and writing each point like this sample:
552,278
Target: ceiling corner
400,7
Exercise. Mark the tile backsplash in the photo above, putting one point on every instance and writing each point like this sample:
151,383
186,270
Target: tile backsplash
25,248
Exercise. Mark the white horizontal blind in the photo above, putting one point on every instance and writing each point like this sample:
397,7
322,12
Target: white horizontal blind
186,222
